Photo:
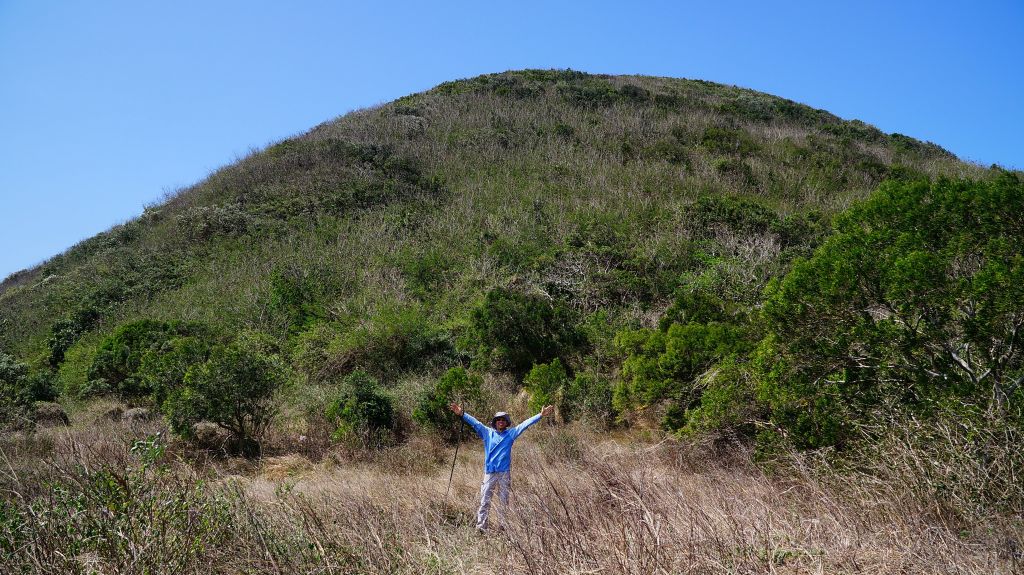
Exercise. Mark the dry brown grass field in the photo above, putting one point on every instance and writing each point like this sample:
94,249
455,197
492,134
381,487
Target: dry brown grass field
102,498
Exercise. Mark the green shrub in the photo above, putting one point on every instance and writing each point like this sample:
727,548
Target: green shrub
162,371
590,92
431,411
363,411
398,338
293,295
426,273
669,365
514,331
587,396
73,373
14,401
742,216
120,356
66,331
235,389
546,382
728,402
633,93
895,307
727,141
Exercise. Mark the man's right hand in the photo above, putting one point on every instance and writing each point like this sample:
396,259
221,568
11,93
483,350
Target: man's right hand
456,408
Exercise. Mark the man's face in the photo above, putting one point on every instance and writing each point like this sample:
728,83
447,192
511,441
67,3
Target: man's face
501,424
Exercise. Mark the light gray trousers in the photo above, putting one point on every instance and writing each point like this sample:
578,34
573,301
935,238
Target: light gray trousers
500,482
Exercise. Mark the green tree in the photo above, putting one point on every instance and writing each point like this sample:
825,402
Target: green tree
235,389
119,356
163,370
917,299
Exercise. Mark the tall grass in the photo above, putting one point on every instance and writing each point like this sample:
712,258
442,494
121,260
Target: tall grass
102,501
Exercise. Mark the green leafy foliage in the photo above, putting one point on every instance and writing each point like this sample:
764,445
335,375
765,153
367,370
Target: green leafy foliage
363,411
917,299
456,385
120,358
546,383
235,389
397,338
587,396
292,294
514,331
162,370
66,331
14,401
671,364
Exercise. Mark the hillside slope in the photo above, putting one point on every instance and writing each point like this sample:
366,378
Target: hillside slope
369,241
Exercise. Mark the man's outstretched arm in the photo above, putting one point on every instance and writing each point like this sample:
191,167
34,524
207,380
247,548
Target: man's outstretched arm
543,413
480,428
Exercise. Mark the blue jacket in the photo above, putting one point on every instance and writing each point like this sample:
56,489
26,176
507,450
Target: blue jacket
498,446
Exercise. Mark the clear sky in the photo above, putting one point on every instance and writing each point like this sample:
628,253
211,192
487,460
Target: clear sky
106,105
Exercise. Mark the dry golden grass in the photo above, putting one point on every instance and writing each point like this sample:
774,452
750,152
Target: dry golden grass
582,503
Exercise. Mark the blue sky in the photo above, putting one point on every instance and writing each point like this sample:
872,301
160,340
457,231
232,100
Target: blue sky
106,105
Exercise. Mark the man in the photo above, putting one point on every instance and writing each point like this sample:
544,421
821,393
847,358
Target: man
498,441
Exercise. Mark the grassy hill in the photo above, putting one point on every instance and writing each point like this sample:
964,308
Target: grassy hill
542,180
827,313
395,239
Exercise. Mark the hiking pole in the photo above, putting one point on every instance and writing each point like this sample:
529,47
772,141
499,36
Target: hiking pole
462,423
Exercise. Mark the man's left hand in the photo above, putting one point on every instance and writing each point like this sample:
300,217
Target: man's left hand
548,410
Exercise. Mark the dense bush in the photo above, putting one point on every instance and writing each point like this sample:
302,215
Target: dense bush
121,355
363,412
234,389
728,141
546,383
163,370
65,331
590,92
916,300
742,216
14,401
671,364
587,396
514,331
431,411
397,338
293,295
